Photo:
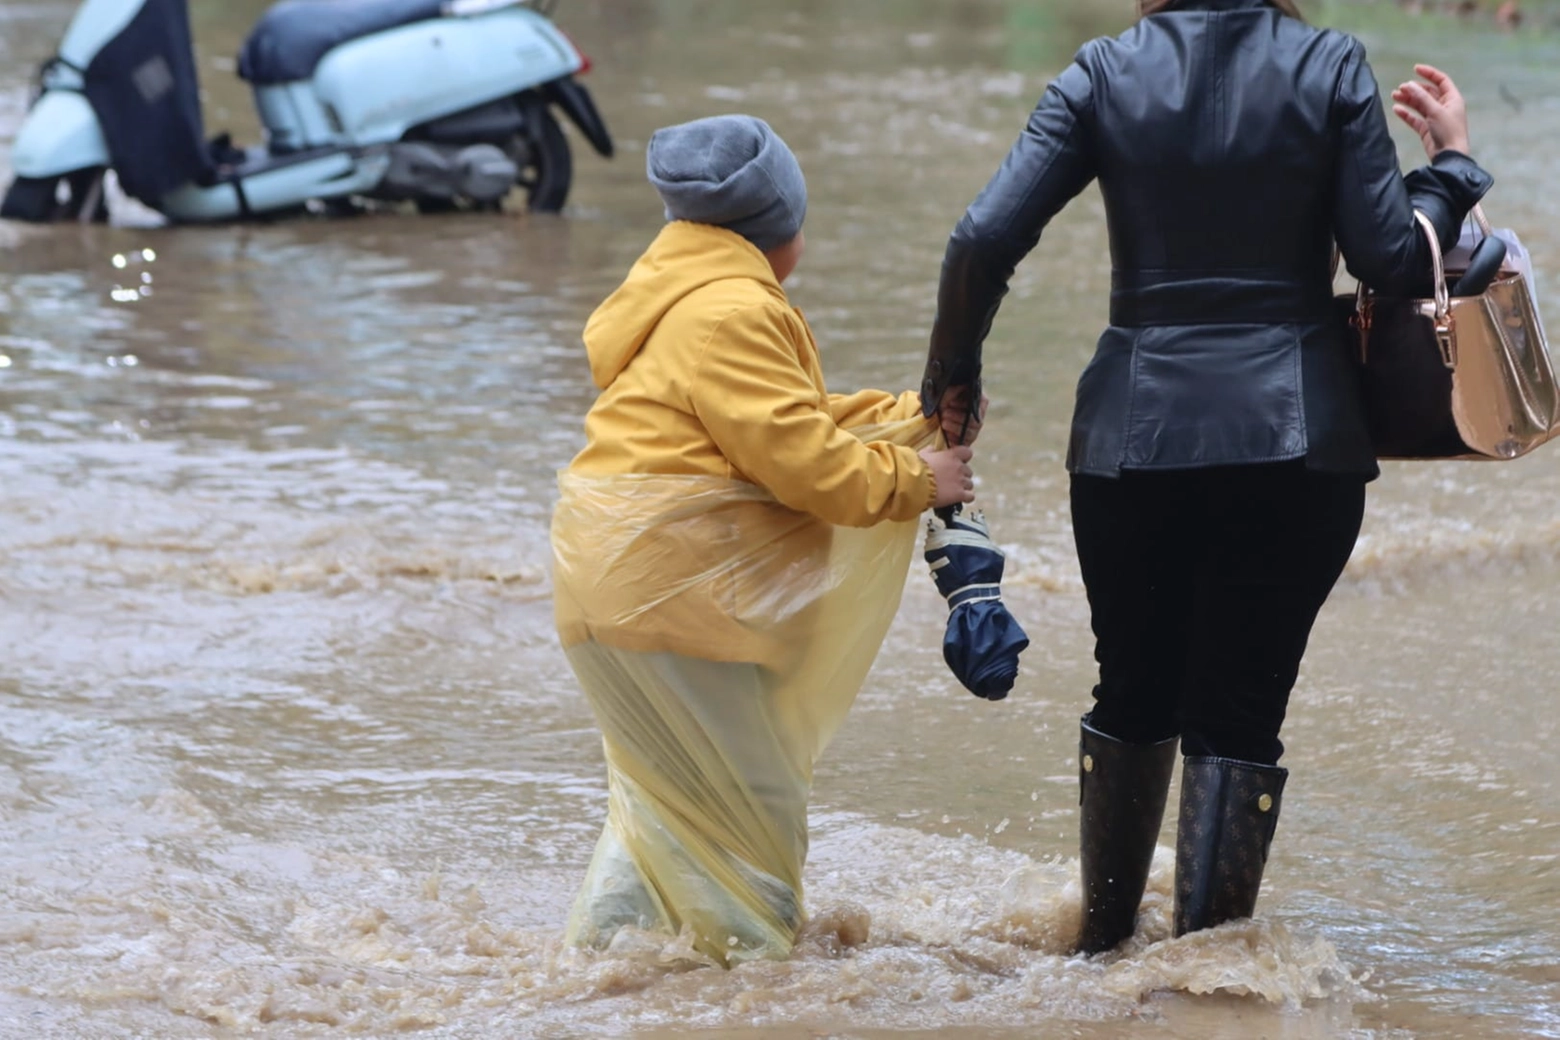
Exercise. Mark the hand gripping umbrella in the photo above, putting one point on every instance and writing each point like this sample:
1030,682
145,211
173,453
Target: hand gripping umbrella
983,640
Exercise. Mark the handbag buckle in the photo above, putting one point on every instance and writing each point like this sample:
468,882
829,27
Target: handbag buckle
1360,321
1446,339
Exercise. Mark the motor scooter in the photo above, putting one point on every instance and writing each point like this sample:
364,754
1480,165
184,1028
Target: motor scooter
444,103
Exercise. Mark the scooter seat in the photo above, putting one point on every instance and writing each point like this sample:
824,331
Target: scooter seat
294,35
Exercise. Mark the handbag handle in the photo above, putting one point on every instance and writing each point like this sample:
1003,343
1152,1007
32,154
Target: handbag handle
1480,219
1442,315
1445,337
1443,293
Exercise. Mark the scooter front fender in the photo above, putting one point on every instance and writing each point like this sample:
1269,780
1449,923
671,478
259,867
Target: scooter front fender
580,107
60,135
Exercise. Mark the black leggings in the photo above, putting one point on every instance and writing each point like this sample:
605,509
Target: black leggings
1203,585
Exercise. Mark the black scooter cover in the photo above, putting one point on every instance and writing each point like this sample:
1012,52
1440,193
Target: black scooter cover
145,91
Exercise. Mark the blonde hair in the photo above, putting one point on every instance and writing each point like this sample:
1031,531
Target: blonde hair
1148,7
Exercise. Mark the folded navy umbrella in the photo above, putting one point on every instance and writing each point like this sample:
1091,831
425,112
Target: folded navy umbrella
983,640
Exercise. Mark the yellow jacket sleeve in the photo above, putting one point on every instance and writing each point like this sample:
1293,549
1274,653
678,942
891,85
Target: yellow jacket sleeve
872,407
770,419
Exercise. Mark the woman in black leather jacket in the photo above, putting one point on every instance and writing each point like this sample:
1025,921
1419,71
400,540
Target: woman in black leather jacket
1219,453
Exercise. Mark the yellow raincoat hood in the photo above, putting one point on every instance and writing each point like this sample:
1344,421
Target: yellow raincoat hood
706,369
683,259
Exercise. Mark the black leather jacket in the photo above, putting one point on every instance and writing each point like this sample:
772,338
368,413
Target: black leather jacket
1232,145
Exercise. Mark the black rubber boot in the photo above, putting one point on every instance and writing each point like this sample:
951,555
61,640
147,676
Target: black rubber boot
1122,790
1229,810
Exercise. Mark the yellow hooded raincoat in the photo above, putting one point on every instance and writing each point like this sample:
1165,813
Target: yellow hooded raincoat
729,550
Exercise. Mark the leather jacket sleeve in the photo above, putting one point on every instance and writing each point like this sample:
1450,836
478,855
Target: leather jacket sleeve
1373,216
1049,164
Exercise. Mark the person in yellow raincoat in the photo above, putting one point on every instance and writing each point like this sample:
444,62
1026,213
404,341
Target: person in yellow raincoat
729,549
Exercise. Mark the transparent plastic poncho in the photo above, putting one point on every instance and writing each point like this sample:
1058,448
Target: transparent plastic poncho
720,638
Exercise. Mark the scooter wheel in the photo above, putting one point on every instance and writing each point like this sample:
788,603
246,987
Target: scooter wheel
87,190
546,165
33,199
38,199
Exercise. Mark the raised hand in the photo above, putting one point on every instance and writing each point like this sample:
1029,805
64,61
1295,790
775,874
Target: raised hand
1433,109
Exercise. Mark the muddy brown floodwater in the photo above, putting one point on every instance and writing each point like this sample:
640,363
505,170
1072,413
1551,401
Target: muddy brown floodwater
286,744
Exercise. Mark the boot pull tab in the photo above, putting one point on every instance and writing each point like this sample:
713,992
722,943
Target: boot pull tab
1085,767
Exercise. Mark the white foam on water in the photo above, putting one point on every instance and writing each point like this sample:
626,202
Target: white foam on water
908,931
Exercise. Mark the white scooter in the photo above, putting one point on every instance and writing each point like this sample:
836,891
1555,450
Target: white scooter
446,103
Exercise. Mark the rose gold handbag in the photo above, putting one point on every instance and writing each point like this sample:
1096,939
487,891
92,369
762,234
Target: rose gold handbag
1466,377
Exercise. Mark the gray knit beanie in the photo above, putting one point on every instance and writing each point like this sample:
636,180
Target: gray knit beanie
733,172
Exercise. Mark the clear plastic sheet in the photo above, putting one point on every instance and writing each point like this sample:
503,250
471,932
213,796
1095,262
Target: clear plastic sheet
1518,258
720,639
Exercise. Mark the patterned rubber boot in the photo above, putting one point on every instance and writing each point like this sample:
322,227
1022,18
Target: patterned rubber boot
1122,791
1229,810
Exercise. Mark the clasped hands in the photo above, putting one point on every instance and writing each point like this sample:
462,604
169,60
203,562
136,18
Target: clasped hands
951,466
